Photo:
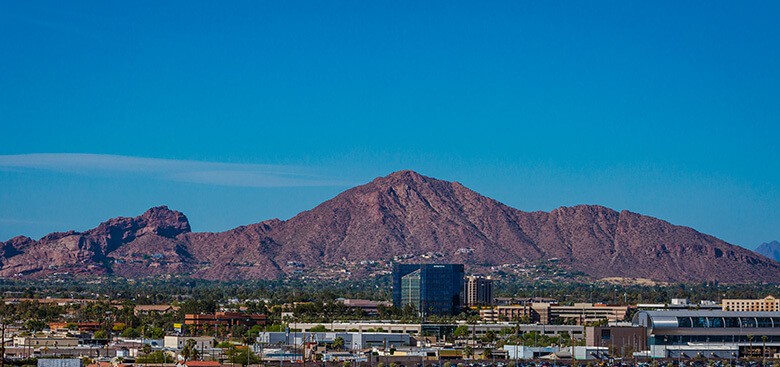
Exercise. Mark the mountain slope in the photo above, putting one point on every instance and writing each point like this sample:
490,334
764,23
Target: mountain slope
770,250
402,215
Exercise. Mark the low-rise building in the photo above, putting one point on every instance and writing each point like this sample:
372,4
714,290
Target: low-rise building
694,333
50,342
352,340
154,309
227,319
768,304
178,342
550,313
367,306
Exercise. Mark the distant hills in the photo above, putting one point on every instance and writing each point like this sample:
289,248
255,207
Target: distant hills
770,250
404,215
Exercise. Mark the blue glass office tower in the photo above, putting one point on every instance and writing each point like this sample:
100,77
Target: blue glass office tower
433,289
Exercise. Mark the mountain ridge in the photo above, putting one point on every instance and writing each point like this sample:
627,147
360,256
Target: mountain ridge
770,250
404,216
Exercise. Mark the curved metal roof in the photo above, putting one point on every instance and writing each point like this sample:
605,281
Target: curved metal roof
667,319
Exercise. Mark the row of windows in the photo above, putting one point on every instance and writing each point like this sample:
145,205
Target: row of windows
728,322
685,339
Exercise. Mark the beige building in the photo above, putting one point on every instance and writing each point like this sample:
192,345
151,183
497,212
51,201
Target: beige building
548,313
768,304
584,313
178,342
50,342
477,291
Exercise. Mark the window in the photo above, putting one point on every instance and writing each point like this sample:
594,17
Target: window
731,322
684,321
764,321
747,322
715,322
699,321
776,321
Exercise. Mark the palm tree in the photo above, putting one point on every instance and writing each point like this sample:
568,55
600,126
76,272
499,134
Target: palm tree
338,343
468,352
190,350
763,349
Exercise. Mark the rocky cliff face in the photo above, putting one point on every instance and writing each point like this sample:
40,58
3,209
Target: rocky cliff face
91,252
401,215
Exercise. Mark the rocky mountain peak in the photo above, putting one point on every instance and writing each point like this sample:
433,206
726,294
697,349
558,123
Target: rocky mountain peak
402,215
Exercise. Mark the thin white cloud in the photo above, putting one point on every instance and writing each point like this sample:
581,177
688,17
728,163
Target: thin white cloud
209,173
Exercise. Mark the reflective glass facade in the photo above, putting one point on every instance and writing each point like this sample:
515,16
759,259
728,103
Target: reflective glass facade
440,287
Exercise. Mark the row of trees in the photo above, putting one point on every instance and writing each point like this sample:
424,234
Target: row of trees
204,296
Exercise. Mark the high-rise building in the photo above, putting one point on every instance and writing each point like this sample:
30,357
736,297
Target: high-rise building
432,289
478,291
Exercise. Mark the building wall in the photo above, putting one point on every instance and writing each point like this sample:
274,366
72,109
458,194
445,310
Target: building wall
478,291
583,313
617,338
45,342
178,342
546,313
440,287
770,304
352,340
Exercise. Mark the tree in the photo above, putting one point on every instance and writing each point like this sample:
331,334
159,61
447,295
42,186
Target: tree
468,352
130,333
338,343
461,331
156,333
487,353
318,329
763,349
243,356
155,357
146,349
190,350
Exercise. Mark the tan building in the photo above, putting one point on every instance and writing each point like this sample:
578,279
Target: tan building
154,309
513,313
227,319
584,313
547,313
768,304
477,291
35,342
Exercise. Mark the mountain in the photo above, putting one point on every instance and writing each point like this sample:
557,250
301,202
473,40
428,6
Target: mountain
770,250
401,216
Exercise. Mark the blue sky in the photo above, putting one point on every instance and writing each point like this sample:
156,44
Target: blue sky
234,113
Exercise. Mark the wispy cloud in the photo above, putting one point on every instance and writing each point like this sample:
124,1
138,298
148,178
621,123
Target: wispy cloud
210,173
